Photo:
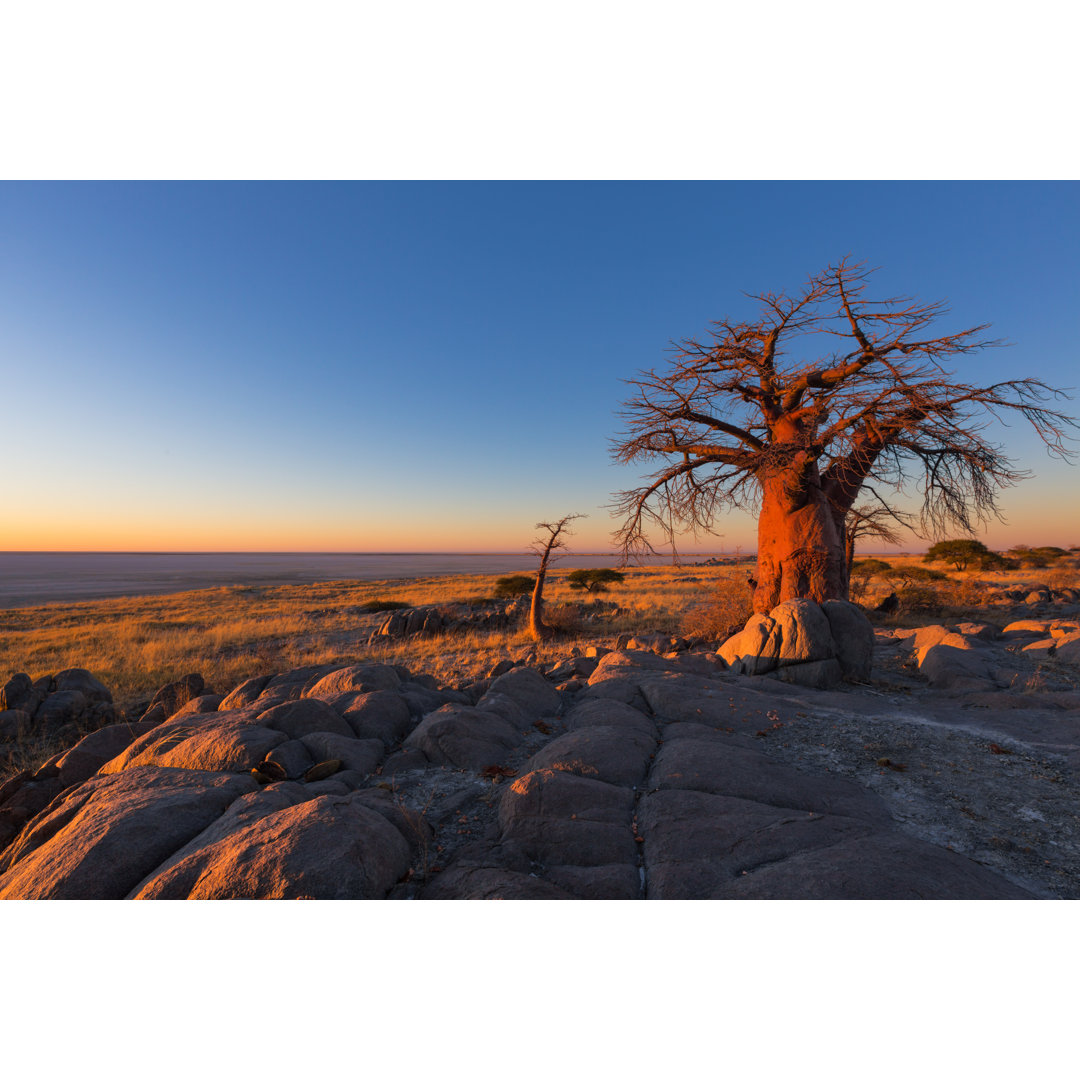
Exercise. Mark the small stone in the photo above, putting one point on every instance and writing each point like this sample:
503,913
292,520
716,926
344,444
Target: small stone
322,770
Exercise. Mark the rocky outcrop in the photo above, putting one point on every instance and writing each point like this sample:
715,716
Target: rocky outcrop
648,779
803,642
44,707
462,618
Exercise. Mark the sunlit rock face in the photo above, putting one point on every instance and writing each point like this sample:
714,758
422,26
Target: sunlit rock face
803,642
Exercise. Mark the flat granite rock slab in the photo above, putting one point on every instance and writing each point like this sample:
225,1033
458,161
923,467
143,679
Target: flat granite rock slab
612,754
606,712
716,766
558,818
882,866
696,843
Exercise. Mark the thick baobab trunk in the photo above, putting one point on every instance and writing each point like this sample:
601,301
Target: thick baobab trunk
800,547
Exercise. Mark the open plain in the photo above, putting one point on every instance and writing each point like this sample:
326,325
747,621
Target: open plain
407,740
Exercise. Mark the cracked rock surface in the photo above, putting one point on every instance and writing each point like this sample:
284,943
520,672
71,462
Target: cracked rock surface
658,778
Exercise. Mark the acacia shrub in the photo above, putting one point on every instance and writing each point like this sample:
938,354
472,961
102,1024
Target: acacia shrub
961,553
594,581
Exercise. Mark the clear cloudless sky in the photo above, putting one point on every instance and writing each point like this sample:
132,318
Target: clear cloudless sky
427,366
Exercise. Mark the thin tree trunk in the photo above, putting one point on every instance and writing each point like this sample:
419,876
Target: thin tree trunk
800,549
537,629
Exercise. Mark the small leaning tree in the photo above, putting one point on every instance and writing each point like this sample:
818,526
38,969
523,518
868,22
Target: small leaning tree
794,413
552,538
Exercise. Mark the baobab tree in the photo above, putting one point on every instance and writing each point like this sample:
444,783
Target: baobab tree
791,414
552,537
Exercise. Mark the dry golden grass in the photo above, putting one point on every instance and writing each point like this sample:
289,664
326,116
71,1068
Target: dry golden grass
137,644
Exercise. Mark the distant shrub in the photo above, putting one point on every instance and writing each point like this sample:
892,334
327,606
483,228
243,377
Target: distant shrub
514,585
1036,558
870,567
991,560
594,581
723,614
371,606
910,575
862,570
961,553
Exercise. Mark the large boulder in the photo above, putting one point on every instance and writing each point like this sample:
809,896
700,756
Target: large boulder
803,631
949,667
381,714
302,717
804,642
465,737
217,742
529,690
172,696
615,754
246,693
80,680
96,749
853,638
110,832
330,848
752,651
60,708
364,677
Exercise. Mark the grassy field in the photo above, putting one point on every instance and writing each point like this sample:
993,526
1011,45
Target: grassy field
137,644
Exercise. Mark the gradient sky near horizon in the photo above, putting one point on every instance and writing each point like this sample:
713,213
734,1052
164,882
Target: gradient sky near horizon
427,366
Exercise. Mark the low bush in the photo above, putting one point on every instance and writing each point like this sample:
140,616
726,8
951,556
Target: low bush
372,606
514,585
724,613
862,570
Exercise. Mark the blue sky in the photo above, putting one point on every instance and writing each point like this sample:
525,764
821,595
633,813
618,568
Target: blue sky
421,366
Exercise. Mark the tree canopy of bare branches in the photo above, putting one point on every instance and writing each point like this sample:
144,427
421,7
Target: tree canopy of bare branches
792,414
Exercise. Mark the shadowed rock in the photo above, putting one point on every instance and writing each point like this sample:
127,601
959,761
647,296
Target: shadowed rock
101,746
562,819
381,714
609,713
81,680
715,765
361,755
465,737
882,866
302,717
529,690
172,696
697,843
616,755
